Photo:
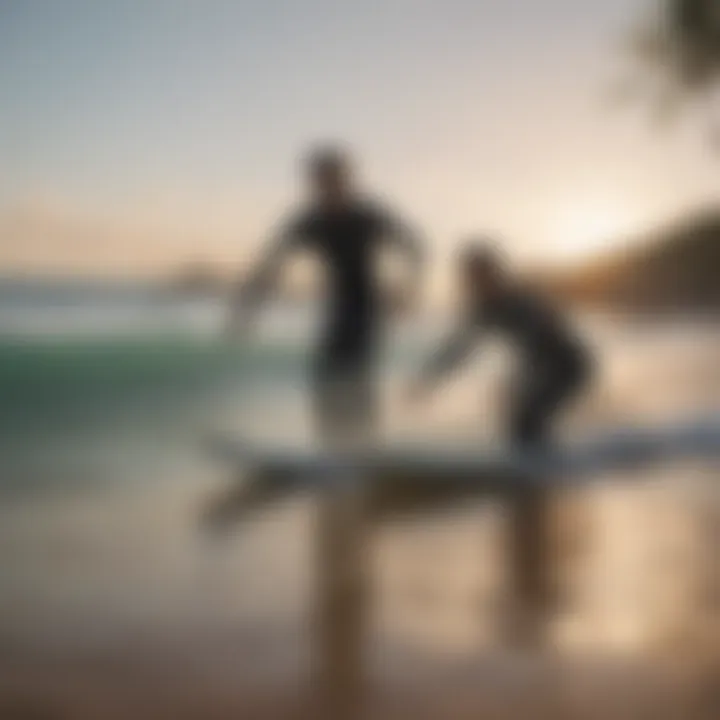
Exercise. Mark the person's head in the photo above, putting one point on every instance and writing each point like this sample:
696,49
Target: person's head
329,174
482,268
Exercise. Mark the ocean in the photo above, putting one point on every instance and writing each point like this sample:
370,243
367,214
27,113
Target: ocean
109,391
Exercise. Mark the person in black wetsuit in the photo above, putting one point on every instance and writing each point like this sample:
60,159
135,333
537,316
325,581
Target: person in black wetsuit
554,368
347,232
554,363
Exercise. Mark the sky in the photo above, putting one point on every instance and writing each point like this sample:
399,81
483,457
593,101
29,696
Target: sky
138,135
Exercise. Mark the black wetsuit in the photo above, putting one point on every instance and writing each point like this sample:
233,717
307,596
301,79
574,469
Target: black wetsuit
347,241
554,363
554,366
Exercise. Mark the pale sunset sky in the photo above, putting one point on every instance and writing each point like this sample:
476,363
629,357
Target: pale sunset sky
136,135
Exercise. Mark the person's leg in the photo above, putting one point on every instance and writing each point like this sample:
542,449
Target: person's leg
345,405
344,414
531,512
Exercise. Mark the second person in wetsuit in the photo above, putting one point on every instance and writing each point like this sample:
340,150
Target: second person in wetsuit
554,369
554,363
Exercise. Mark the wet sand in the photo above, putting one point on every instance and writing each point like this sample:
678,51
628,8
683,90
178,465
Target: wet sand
217,678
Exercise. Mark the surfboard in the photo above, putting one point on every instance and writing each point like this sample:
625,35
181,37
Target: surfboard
415,476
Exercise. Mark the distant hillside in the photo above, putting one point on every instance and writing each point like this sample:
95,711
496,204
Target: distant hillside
675,269
196,279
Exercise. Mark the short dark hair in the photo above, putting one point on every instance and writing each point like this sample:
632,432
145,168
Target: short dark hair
327,160
482,255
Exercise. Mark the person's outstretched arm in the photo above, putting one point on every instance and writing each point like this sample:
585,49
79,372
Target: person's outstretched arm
451,354
253,291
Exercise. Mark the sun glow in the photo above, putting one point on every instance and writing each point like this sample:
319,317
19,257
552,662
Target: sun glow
586,229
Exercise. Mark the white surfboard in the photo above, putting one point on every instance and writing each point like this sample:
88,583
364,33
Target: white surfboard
418,475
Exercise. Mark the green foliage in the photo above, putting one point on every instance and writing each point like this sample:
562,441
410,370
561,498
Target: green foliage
677,50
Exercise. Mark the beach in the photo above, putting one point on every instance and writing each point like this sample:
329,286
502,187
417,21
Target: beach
115,604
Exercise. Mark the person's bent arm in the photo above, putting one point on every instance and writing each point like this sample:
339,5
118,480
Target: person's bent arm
252,292
409,243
